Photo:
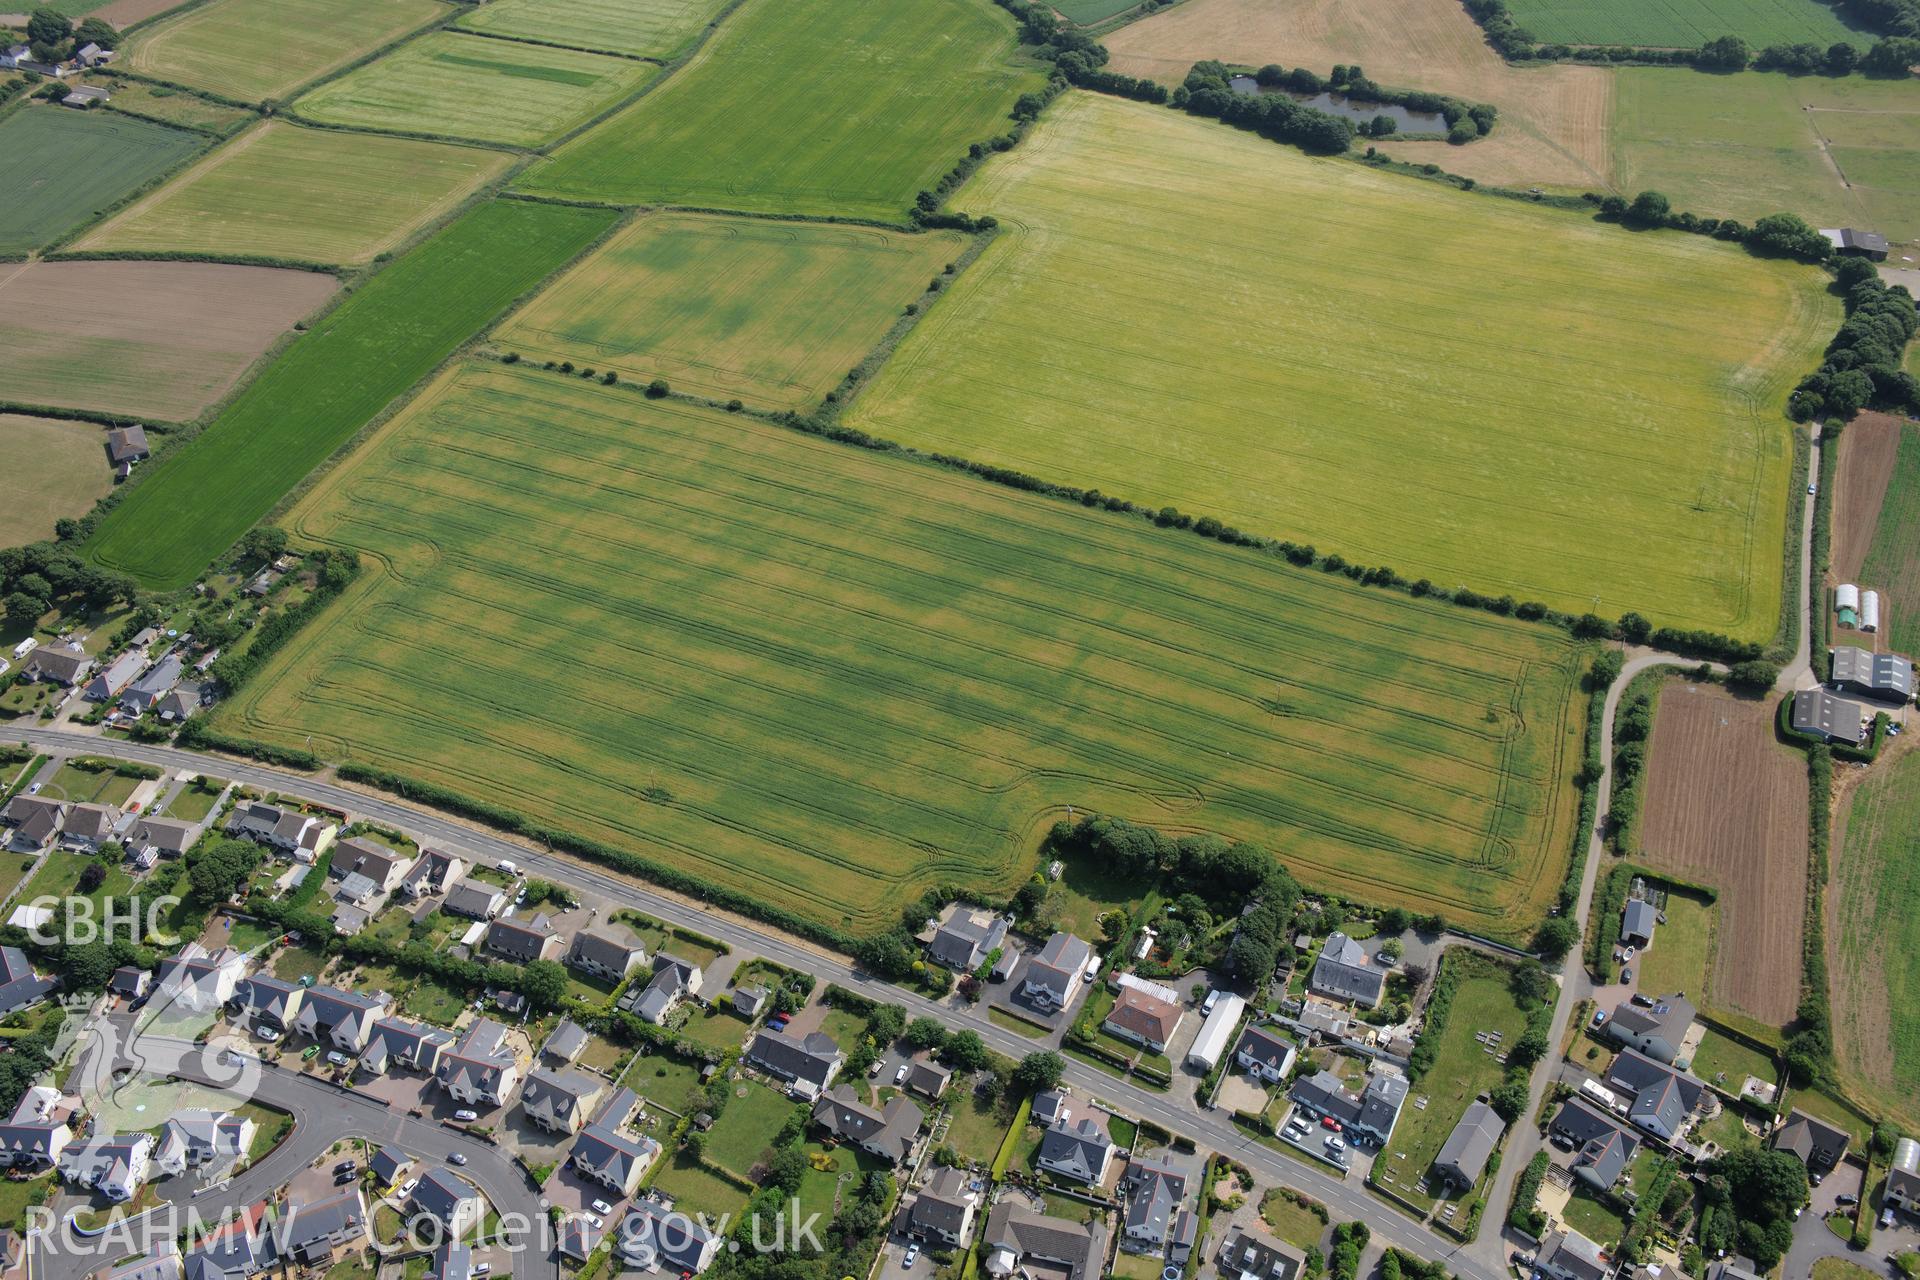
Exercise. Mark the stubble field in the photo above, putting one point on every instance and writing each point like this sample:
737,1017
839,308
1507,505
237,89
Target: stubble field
1869,450
157,339
643,28
1684,24
842,107
332,381
309,195
773,313
1725,805
462,86
1342,357
251,50
64,166
49,468
1873,937
832,679
1892,564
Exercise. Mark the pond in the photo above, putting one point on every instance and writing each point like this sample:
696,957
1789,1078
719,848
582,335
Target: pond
1361,113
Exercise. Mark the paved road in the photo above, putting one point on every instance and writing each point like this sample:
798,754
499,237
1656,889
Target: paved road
1799,673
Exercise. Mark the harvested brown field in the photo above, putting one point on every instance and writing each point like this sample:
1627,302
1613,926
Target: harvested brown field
49,468
1553,119
158,339
124,13
1726,806
1868,447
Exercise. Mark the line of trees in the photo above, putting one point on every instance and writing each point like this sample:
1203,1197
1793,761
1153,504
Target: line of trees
1863,363
1465,120
1893,55
1206,92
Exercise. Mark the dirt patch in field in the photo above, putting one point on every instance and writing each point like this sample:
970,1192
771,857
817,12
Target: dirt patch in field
1867,450
162,339
1726,806
1553,129
124,13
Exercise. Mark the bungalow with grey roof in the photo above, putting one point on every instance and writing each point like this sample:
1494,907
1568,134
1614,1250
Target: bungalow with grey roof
151,686
967,938
56,664
1658,1030
673,980
1664,1100
161,837
113,679
475,899
807,1065
434,872
887,1133
89,826
180,701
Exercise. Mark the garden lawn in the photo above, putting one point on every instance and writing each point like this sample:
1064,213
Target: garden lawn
746,1128
1462,1070
843,107
662,1080
697,1189
643,28
193,802
1594,1220
462,86
290,964
59,877
65,167
1724,1061
977,1126
332,381
771,313
1287,1219
434,1001
820,621
1281,375
307,195
1682,950
822,1191
249,50
1685,24
716,1029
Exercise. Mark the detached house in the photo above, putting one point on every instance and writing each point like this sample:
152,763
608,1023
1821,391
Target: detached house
1659,1031
967,939
887,1133
1144,1017
116,1166
559,1101
200,1137
1246,1255
1664,1100
298,835
56,664
315,1231
475,899
113,679
343,1018
1345,972
480,1068
1464,1155
195,980
1568,1255
433,872
655,1238
37,1132
943,1211
609,955
1079,1152
384,866
1155,1217
611,1158
673,980
523,941
449,1199
89,826
1265,1053
1015,1236
1053,977
125,445
1603,1148
397,1042
1818,1145
807,1065
161,837
32,822
154,684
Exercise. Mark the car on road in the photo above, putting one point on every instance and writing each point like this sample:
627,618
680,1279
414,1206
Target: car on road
1328,1122
601,1206
464,1116
1813,488
458,1157
913,1252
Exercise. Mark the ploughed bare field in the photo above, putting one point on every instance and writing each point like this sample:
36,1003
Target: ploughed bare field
1726,806
156,339
1867,450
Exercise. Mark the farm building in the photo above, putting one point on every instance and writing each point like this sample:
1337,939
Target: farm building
1879,675
1464,1156
1819,714
85,96
1846,604
1865,244
1637,924
1869,610
1216,1031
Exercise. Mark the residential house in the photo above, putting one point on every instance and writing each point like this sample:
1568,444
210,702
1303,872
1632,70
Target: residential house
200,981
89,826
1818,1145
162,1262
240,1250
475,899
567,1043
1568,1255
887,1133
1053,977
181,701
1153,1189
749,1000
1346,973
451,1261
1603,1148
1015,1235
197,1137
126,445
130,981
655,1238
434,872
388,1166
1463,1157
610,954
943,1211
397,1042
32,822
806,1064
1144,1018
343,1018
673,980
1735,1268
480,1069
928,1078
611,1158
1877,675
559,1102
382,865
153,685
299,835
449,1199
1659,1030
314,1232
1265,1053
12,56
56,664
1637,923
1820,714
967,939
37,1132
113,679
1664,1100
1903,1179
116,1166
523,941
20,987
1246,1255
1380,1105
161,837
263,1001
576,1237
1079,1152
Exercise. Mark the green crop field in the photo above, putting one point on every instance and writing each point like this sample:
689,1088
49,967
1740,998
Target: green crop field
473,87
1892,565
1084,12
1473,391
808,106
773,313
845,678
332,381
643,28
1873,939
311,195
251,50
1837,152
63,167
1685,24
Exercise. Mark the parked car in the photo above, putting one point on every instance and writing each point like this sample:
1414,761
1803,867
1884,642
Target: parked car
313,1051
1328,1122
1599,1017
601,1206
482,1269
1886,1217
875,1069
1845,1201
595,1221
1626,975
913,1252
1336,1143
458,1157
900,1076
269,1034
345,1166
1642,999
464,1116
406,1188
338,1058
342,1179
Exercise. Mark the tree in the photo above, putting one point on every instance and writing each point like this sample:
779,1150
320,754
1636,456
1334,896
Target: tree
1842,58
262,544
886,1023
964,1051
86,967
1728,53
1509,1098
925,1033
1786,235
48,27
544,983
1649,209
92,876
1038,1072
1755,676
786,1169
1556,937
657,388
218,869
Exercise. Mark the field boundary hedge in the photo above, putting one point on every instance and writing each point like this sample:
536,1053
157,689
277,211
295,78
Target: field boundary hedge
1819,619
552,44
185,255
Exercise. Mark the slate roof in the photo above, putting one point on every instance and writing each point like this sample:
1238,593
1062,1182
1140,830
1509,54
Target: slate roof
1380,1104
1156,1186
1080,1247
1658,1091
1464,1154
1668,1019
813,1059
1573,1253
968,937
929,1078
567,1042
1637,921
559,1098
1327,1093
1075,1150
1248,1256
263,995
474,899
126,444
1058,964
889,1131
430,873
1266,1045
1345,971
415,1044
612,949
613,1153
521,940
942,1203
441,1192
1819,1145
169,835
18,985
675,1239
34,819
388,1163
